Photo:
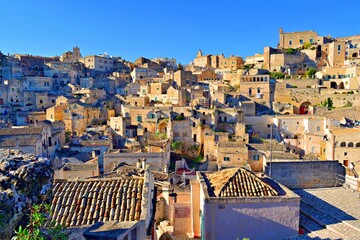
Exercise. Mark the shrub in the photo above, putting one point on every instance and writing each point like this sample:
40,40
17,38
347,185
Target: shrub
35,230
277,75
307,45
348,104
179,118
310,72
290,51
176,145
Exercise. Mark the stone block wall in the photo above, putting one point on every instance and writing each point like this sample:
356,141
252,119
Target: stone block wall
305,174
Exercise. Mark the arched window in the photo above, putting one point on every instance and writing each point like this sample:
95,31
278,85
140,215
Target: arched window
343,144
290,42
358,144
258,90
350,144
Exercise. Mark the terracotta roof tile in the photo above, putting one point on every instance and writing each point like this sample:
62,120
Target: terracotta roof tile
237,182
83,202
20,131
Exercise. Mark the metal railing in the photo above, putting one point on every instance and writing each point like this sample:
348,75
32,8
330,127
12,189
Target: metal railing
339,180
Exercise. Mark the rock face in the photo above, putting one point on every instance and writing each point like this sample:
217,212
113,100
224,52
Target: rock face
24,181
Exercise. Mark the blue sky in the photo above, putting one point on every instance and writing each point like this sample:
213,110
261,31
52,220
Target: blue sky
157,28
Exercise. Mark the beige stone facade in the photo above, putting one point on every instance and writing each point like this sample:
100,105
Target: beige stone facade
297,39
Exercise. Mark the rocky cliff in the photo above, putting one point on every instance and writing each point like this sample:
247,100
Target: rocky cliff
24,181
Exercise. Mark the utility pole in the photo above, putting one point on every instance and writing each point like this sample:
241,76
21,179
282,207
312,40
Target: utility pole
271,130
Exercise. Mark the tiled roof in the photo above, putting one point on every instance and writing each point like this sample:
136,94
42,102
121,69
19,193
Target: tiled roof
80,167
124,169
237,182
83,202
6,142
20,131
9,141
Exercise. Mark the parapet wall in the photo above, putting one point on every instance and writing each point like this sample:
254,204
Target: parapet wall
305,174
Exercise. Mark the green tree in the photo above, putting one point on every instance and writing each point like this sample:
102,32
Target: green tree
310,72
36,230
328,103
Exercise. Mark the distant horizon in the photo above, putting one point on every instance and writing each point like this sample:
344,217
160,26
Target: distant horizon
156,29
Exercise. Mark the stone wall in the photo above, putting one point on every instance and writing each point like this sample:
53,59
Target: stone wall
254,218
305,174
156,160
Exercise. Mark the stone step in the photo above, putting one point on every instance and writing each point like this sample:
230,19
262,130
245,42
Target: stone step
316,230
322,206
329,222
329,218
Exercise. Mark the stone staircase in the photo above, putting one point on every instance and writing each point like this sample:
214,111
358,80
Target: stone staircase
325,222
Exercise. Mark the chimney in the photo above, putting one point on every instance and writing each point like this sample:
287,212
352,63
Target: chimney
138,164
166,168
143,163
172,201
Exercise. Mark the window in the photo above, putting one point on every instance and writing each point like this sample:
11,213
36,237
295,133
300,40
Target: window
317,128
311,40
256,158
41,101
313,149
227,159
301,41
339,47
290,42
139,118
345,153
343,144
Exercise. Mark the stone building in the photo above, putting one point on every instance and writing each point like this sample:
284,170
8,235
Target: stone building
40,141
256,88
98,63
343,145
223,208
297,39
128,218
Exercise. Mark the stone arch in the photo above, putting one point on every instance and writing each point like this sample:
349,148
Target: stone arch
333,85
350,144
343,144
162,127
341,85
304,107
